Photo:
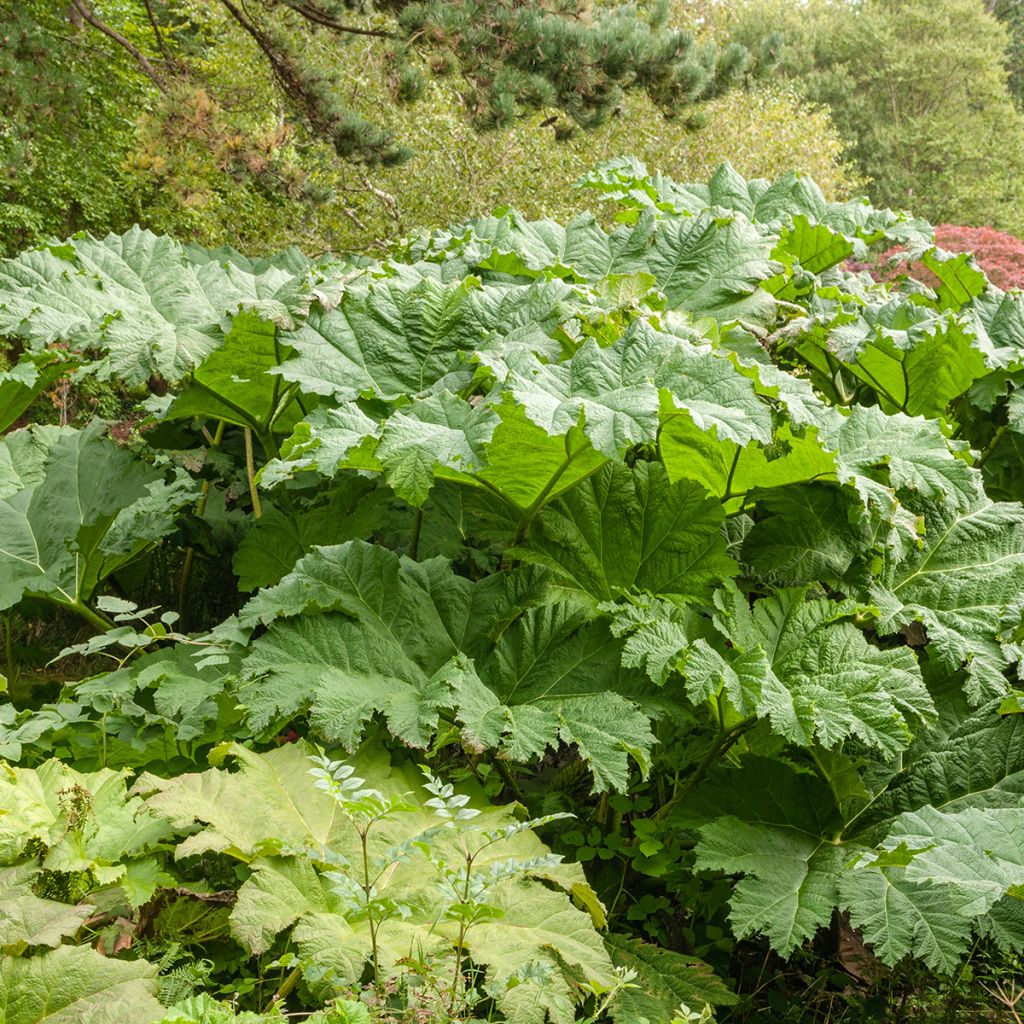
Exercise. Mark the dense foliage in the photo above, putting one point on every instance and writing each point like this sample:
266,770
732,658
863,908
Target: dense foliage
218,121
679,528
1011,14
514,57
902,79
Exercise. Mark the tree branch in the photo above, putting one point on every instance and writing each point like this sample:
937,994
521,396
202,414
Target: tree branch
156,30
277,65
313,13
111,33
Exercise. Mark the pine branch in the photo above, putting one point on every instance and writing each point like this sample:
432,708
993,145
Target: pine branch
314,96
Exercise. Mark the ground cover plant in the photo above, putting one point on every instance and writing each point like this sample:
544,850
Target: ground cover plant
539,623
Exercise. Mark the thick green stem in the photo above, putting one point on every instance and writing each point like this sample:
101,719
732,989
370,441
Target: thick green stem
732,473
991,446
827,779
285,990
457,980
99,621
539,501
371,920
243,414
414,541
250,473
883,390
268,444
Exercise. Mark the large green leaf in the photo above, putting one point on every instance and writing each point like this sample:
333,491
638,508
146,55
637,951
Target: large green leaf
510,244
280,537
708,265
800,662
815,247
626,181
805,533
938,875
434,432
921,863
147,303
973,761
558,678
527,465
234,382
664,980
80,821
623,529
730,471
776,834
899,919
60,533
30,920
977,852
959,583
72,984
388,338
608,391
914,359
400,638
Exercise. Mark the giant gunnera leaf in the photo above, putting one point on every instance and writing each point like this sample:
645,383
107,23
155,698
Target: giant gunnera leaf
417,644
61,533
72,984
147,304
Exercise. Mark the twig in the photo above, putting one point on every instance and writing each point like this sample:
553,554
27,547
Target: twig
156,31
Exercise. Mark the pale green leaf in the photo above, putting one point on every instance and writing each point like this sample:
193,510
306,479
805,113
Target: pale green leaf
72,984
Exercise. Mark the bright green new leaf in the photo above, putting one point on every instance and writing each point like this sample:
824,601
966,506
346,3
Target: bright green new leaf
234,382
